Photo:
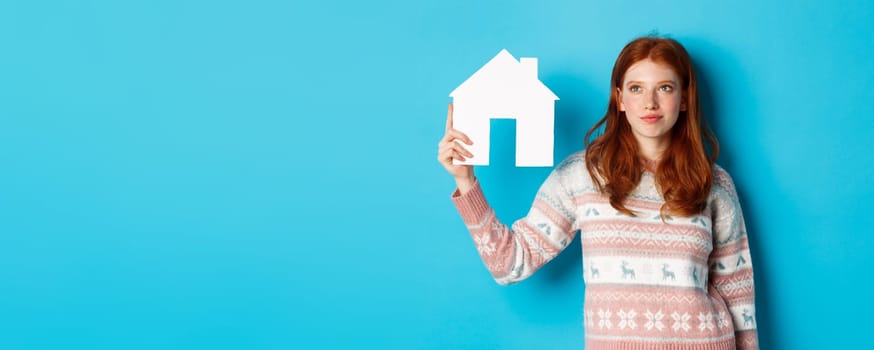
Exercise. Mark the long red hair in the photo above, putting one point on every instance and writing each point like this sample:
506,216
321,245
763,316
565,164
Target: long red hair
685,173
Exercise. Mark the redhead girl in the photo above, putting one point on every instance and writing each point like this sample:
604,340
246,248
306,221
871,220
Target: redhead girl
666,258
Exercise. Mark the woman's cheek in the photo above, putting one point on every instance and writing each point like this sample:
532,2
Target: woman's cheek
670,103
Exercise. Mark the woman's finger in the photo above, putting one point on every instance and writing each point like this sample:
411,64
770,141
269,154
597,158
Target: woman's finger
454,146
445,146
448,154
452,135
449,117
460,149
459,135
457,156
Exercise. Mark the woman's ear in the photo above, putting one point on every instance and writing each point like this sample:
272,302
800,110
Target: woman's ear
619,100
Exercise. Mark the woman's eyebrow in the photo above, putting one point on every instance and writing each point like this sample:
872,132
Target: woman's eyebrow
661,82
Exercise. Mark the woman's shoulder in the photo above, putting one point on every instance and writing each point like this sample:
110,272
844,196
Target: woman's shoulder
573,172
575,162
722,182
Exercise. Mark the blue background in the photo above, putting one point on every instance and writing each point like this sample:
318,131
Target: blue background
263,174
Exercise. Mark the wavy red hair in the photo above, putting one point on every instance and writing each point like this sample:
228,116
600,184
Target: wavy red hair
685,173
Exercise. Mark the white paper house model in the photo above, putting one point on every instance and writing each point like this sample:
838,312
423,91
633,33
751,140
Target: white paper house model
506,88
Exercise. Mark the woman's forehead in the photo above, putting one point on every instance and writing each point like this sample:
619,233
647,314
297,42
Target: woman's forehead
648,70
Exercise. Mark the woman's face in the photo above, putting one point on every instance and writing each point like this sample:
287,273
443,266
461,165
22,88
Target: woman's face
652,99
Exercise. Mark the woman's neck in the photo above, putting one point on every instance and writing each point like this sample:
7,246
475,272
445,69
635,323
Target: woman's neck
652,150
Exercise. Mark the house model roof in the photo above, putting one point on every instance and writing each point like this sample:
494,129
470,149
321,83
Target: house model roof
502,77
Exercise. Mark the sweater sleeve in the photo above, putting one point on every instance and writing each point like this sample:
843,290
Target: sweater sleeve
514,253
731,269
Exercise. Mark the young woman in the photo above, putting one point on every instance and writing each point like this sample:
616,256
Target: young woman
665,252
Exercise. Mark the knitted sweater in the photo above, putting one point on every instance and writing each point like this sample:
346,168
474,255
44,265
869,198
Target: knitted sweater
685,283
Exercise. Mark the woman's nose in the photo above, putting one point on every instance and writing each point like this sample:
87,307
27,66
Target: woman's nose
651,102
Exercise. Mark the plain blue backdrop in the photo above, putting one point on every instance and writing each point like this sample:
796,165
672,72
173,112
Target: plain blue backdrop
263,174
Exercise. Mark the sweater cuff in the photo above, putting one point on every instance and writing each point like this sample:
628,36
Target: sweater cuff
747,340
472,205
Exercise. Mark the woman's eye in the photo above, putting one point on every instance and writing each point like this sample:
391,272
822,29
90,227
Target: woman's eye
634,88
667,88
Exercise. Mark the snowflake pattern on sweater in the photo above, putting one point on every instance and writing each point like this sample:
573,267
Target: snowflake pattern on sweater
683,283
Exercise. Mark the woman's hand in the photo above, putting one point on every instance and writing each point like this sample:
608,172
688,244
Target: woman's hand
450,150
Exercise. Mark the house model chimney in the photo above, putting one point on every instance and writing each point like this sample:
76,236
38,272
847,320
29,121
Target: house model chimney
529,66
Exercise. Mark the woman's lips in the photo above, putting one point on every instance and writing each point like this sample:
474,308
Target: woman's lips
650,119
